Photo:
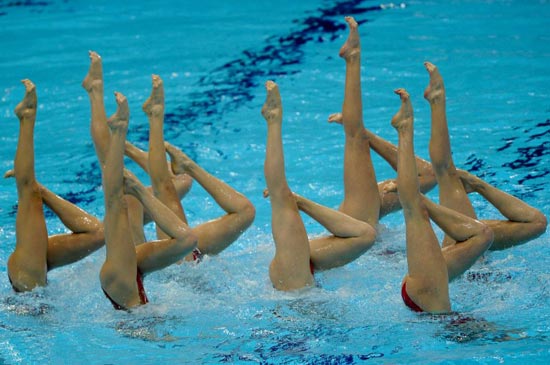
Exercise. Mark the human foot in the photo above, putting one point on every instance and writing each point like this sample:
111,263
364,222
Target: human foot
131,183
435,91
336,118
119,120
27,107
272,110
181,163
94,78
470,182
404,117
9,173
154,105
352,46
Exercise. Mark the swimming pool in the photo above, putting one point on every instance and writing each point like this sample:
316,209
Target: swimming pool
214,57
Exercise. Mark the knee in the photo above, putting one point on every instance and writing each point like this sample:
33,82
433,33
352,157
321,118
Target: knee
368,236
247,213
186,242
486,235
540,223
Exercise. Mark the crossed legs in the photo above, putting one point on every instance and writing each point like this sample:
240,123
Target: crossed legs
429,267
36,253
123,260
523,221
290,268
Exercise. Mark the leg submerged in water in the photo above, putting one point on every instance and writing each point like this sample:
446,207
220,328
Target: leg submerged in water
361,198
27,265
426,283
290,268
451,191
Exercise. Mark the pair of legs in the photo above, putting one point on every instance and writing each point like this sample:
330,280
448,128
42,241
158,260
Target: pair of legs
387,189
364,199
93,84
169,184
430,268
124,260
35,252
215,235
523,222
295,254
353,226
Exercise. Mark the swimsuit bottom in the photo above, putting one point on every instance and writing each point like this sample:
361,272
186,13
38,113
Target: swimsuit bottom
407,300
197,255
141,291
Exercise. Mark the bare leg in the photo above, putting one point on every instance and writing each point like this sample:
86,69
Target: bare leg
161,177
472,237
389,199
27,264
388,189
361,198
451,190
427,279
524,222
290,268
180,241
350,237
215,235
87,232
93,84
182,182
101,136
118,273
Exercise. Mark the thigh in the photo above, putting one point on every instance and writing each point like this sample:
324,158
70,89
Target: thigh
290,268
331,251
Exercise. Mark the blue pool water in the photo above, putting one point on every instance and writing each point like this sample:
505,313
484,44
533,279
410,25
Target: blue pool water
214,57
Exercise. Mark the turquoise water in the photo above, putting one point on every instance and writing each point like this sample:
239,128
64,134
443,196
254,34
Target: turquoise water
214,57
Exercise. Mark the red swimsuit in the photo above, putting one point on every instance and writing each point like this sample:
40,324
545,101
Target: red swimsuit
141,291
407,300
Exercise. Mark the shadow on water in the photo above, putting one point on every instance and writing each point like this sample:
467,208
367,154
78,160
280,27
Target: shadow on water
230,86
531,148
33,5
462,328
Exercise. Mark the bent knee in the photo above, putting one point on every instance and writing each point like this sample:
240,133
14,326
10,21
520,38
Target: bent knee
540,223
186,242
486,235
247,213
368,236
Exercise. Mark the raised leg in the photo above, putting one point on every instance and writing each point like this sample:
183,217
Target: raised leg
290,268
389,199
27,264
93,84
161,176
217,234
119,271
361,198
524,221
182,182
451,191
427,280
